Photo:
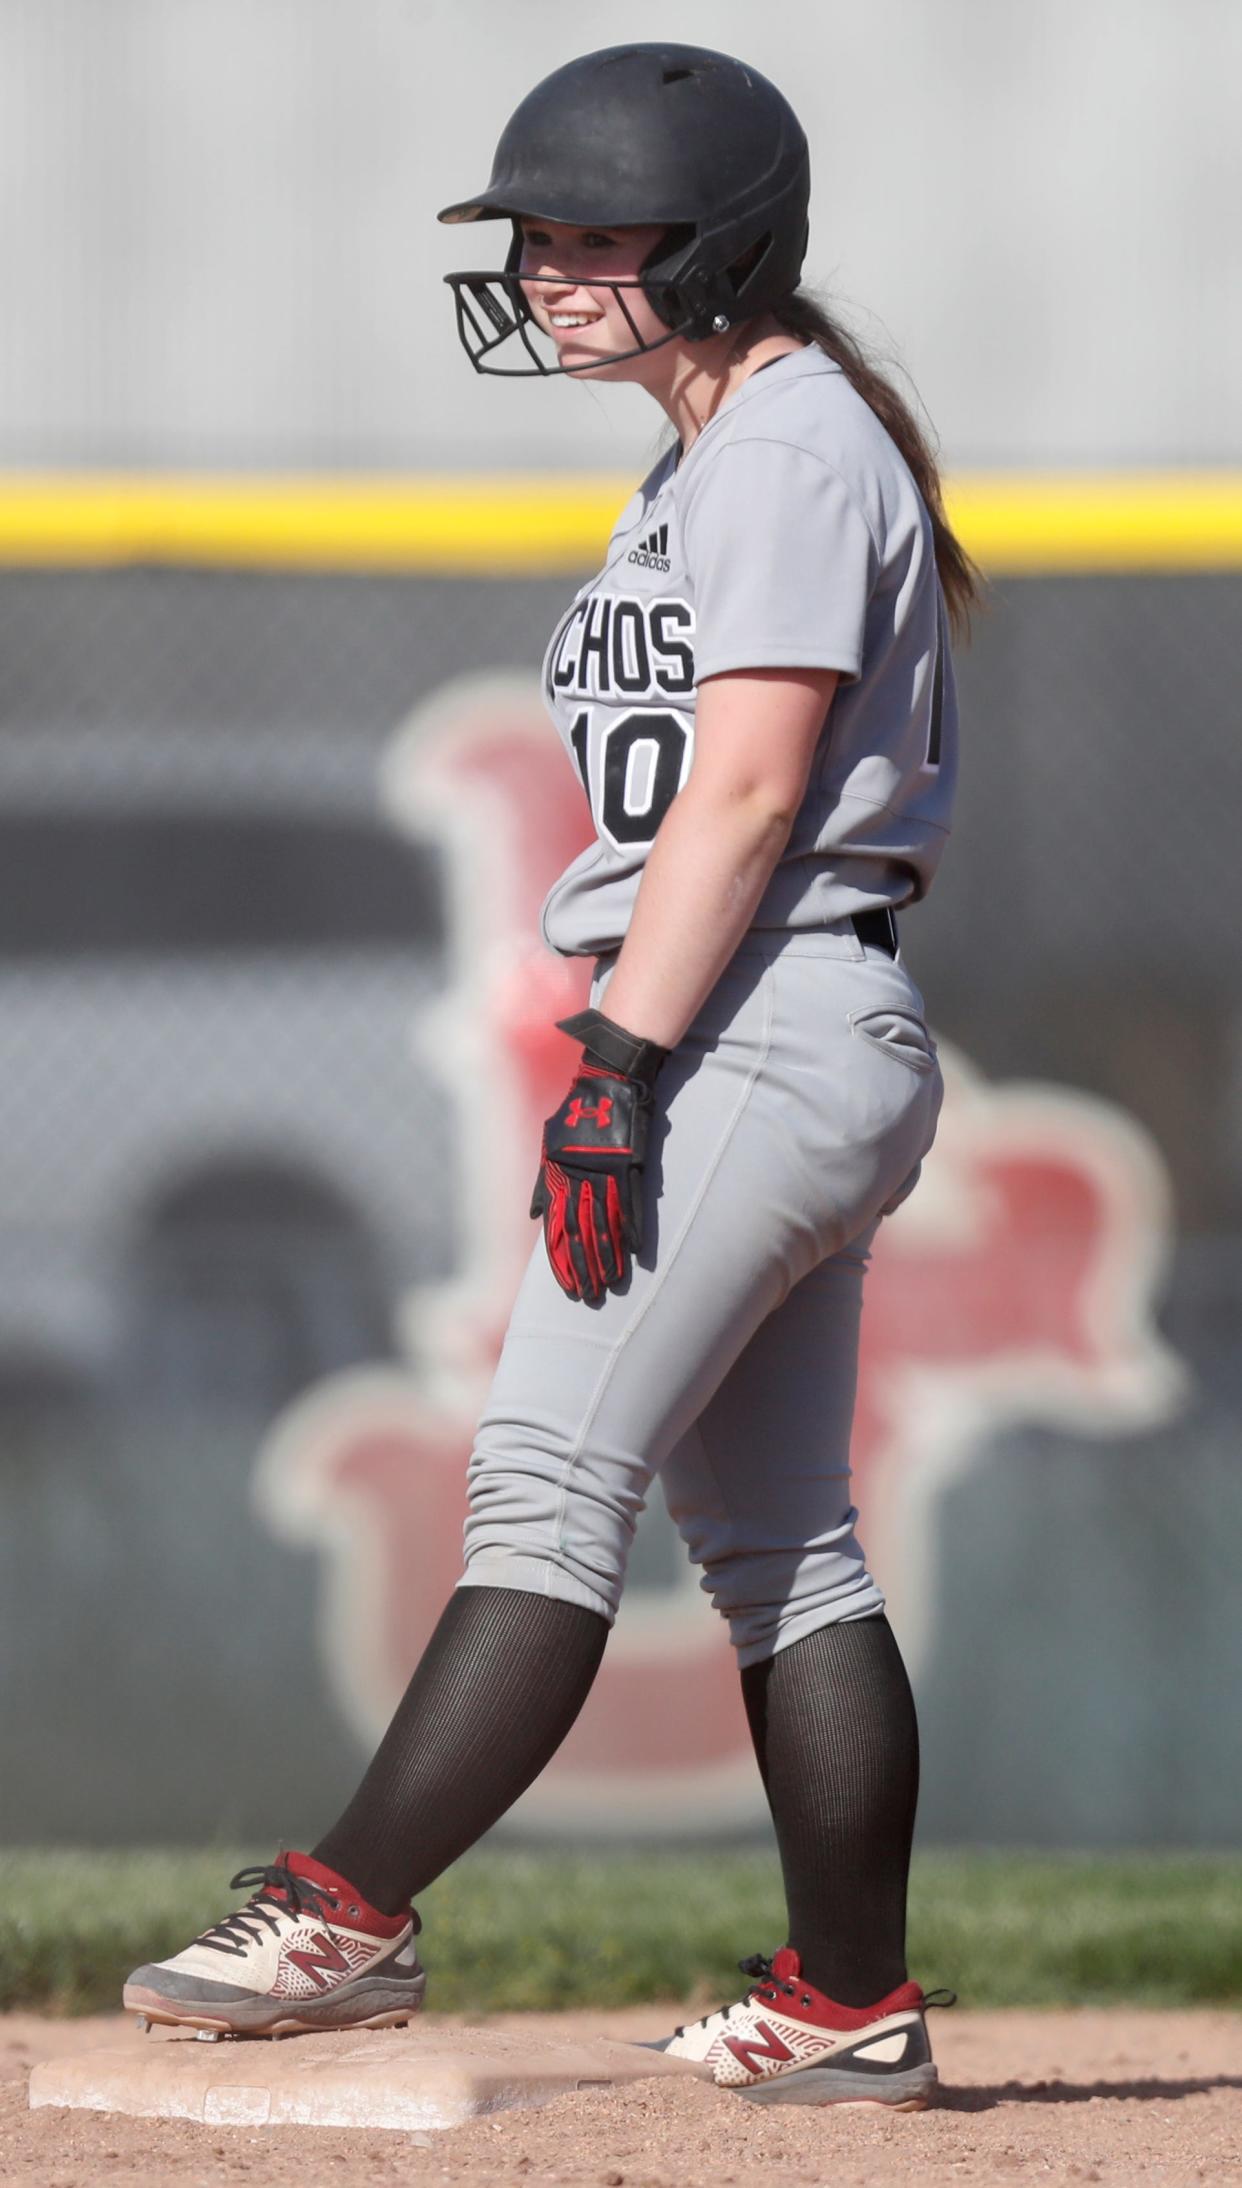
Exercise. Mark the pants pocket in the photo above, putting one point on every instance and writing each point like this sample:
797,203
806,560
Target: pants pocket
898,1033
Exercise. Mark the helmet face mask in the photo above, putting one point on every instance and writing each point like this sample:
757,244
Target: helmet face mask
690,141
493,308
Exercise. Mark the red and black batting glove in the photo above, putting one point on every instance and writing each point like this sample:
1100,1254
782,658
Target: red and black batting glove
590,1185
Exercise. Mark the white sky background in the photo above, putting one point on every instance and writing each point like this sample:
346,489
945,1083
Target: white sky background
217,222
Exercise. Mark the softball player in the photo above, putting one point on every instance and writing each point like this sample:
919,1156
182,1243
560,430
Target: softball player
757,695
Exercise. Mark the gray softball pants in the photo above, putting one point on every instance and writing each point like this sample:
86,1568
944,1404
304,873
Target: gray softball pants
792,1117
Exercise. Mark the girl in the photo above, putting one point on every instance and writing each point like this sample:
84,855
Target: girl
757,694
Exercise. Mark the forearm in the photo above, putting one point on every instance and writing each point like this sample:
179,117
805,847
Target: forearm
704,877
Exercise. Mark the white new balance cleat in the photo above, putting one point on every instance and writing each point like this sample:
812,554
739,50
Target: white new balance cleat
304,1953
786,2043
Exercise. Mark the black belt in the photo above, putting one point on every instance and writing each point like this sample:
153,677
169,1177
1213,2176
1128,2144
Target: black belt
878,928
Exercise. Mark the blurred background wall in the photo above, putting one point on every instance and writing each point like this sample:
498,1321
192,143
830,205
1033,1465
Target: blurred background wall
246,801
220,248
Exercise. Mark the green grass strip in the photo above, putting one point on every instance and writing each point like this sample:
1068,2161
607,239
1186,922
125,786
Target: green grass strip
524,1931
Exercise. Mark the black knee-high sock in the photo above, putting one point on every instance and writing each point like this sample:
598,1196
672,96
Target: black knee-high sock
832,1719
503,1678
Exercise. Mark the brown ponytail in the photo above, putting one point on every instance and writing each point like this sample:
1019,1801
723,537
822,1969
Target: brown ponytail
961,581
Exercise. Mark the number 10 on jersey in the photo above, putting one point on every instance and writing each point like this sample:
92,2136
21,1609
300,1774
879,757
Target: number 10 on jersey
642,760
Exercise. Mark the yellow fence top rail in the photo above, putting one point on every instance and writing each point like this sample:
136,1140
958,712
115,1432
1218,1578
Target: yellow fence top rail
544,525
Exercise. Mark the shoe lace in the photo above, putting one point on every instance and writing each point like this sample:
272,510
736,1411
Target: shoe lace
765,1984
280,1894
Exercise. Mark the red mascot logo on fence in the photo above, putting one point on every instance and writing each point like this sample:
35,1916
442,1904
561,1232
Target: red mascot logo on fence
1017,1283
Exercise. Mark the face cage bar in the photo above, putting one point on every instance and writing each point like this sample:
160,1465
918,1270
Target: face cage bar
509,313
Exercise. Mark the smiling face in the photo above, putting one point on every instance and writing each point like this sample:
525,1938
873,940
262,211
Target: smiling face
562,269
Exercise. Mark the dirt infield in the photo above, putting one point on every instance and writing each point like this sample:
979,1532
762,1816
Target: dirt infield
1111,2096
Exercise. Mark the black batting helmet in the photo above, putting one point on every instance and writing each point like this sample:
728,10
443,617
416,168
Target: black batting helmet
679,137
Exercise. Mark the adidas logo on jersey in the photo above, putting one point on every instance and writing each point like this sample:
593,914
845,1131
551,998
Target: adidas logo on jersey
652,553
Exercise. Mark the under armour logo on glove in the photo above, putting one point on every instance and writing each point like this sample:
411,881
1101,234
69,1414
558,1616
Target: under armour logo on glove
600,1115
589,1188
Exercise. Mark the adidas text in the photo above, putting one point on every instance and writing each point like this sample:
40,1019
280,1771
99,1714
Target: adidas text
652,553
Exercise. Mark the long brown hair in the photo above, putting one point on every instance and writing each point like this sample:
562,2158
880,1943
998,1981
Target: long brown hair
961,581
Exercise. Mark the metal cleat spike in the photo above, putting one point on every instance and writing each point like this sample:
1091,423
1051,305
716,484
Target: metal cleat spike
208,2035
142,2025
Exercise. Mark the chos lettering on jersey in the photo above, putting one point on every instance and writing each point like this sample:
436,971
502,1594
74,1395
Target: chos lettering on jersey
621,646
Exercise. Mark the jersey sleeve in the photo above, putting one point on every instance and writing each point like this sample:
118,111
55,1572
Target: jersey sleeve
782,561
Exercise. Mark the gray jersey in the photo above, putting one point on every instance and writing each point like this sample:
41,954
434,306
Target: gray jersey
791,536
